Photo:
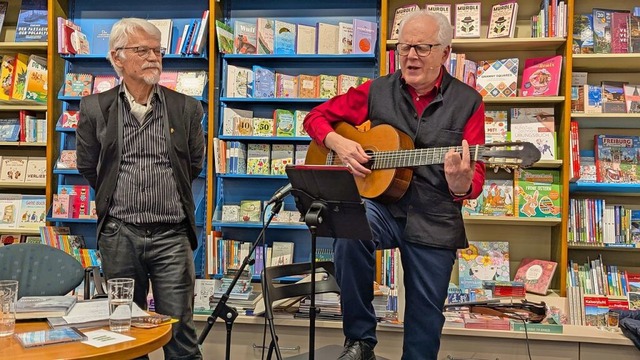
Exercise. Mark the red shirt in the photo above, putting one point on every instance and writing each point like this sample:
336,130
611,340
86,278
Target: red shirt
353,106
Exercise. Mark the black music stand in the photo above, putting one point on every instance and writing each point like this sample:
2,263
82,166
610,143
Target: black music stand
328,198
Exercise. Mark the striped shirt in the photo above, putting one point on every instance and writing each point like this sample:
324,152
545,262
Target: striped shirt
146,191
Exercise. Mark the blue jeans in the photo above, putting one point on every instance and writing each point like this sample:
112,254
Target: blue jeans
160,253
427,271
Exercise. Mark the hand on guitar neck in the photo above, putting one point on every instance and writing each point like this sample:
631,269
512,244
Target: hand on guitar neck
459,169
349,152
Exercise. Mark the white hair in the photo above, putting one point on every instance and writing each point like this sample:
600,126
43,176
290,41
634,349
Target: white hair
122,30
445,30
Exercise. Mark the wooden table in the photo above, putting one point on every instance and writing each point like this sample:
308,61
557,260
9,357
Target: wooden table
146,340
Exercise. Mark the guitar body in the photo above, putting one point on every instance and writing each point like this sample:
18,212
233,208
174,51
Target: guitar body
385,185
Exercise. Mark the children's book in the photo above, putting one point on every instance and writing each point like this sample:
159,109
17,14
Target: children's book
537,193
70,119
306,39
399,14
265,36
495,126
36,170
365,35
616,160
284,38
250,210
224,34
33,212
36,83
498,197
102,83
14,169
245,37
264,83
537,126
77,84
541,76
327,38
282,253
9,129
536,274
345,38
483,260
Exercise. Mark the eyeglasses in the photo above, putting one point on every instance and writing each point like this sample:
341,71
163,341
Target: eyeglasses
421,49
144,51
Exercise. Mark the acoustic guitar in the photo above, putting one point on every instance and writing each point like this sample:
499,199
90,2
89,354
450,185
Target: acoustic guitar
393,156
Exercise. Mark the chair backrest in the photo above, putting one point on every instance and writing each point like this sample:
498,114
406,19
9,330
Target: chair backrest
41,270
278,291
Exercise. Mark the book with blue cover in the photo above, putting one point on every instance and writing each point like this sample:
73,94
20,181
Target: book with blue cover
32,21
264,80
9,129
100,40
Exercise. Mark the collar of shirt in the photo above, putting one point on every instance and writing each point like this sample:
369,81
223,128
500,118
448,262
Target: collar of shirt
139,110
422,101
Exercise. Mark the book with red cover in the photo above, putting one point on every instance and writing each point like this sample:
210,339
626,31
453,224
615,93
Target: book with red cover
541,76
536,274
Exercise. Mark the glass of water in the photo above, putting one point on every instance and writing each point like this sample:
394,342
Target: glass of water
8,299
120,292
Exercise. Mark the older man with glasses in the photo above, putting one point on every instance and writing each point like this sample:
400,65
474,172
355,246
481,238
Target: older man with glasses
140,146
435,110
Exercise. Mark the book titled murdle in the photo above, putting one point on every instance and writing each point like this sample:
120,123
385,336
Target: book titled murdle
39,307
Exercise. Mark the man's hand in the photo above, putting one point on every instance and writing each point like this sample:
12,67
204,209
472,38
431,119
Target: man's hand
349,152
459,169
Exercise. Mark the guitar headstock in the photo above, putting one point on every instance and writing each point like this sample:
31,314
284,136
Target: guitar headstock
510,155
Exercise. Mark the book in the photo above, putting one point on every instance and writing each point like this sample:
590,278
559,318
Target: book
245,40
498,78
495,126
264,82
3,12
33,211
36,83
327,38
582,34
536,274
265,36
497,197
613,100
282,253
87,314
615,157
284,38
250,210
365,35
602,31
306,39
100,40
541,76
345,38
483,260
537,193
632,98
620,32
7,75
467,20
502,20
102,83
32,21
13,169
224,35
36,338
166,30
191,83
39,307
537,126
9,129
444,9
398,15
77,84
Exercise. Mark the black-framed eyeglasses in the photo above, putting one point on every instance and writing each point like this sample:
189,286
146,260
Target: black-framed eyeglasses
421,49
144,51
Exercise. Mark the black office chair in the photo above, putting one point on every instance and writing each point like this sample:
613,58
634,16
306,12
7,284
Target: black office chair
278,291
41,270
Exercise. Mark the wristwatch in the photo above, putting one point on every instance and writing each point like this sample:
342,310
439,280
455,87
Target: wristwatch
462,194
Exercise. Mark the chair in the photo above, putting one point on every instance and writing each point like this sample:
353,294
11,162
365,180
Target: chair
41,270
276,291
92,275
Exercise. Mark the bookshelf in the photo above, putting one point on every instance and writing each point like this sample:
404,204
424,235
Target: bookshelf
233,188
90,16
548,242
11,109
603,67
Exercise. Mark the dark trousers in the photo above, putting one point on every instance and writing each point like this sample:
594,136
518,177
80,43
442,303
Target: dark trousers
427,271
162,254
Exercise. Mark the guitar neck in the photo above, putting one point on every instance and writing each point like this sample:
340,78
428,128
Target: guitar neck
417,157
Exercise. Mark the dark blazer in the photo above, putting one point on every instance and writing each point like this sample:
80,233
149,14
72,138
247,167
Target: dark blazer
99,152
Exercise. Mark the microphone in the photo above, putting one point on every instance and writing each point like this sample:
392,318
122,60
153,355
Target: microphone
280,194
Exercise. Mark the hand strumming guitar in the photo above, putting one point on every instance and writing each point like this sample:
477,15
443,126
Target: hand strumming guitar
459,169
350,152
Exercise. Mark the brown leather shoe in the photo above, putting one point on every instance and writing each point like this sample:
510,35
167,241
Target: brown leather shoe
357,350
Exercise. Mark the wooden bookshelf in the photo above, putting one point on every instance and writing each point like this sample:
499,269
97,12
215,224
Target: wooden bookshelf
610,63
513,44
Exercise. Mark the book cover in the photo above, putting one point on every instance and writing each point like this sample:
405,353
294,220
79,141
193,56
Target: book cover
36,338
309,86
467,20
634,300
345,82
37,307
19,77
100,40
483,260
301,154
537,193
67,160
230,213
444,9
166,30
593,99
616,160
632,98
36,83
620,32
250,210
299,116
537,126
328,86
281,156
541,76
243,126
102,83
587,168
7,76
502,20
36,170
306,39
365,35
613,100
345,38
284,38
264,82
191,83
265,36
9,129
601,31
77,84
258,159
536,274
70,119
3,11
60,206
224,35
32,21
473,207
498,197
498,78
263,127
328,35
14,169
284,122
582,34
634,31
9,210
286,86
229,116
282,253
245,37
399,14
596,308
495,126
169,79
239,82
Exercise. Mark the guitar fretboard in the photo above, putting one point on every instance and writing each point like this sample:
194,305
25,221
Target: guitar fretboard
410,158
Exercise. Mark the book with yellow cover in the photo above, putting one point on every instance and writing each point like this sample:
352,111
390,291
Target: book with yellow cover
20,77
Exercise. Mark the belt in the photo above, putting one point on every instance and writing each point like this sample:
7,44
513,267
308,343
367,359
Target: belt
148,227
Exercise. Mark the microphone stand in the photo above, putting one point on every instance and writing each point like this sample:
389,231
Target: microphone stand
222,310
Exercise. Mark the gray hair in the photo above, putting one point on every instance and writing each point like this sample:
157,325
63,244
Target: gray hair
120,33
445,30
